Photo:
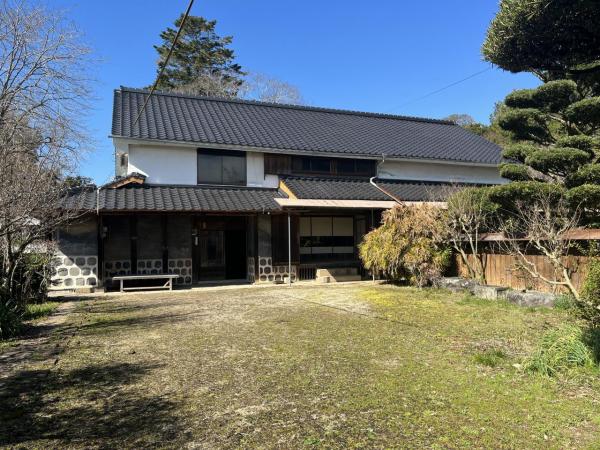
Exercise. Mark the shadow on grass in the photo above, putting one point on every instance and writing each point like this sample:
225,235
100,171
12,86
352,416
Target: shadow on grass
127,324
92,406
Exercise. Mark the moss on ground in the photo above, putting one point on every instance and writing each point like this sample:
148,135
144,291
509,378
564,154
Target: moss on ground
307,366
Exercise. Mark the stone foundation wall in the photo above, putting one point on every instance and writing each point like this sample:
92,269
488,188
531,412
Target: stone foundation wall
267,272
183,267
116,268
149,266
72,272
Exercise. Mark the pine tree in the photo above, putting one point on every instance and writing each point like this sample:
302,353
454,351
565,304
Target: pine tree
555,128
201,62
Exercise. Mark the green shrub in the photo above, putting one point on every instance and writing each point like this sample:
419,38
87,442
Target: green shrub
521,98
559,350
11,315
526,124
507,196
554,96
565,302
589,303
514,172
519,152
559,160
585,112
587,174
409,244
582,142
30,286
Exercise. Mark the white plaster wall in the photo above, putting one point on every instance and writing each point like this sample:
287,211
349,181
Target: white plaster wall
421,171
178,165
163,164
255,171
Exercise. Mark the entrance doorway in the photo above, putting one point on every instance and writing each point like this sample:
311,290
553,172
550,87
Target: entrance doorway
219,249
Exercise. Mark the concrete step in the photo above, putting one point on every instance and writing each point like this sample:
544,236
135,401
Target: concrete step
337,272
341,278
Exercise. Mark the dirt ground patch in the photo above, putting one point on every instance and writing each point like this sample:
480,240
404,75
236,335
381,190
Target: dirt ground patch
307,366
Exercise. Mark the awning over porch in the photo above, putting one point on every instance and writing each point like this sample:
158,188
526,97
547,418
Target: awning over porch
156,198
345,204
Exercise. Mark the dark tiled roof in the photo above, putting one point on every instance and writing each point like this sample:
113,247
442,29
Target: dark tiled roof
333,189
178,198
80,199
300,129
415,191
362,189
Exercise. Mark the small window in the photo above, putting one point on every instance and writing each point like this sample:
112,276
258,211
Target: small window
221,167
311,165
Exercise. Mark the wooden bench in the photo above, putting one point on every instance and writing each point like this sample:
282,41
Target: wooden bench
168,284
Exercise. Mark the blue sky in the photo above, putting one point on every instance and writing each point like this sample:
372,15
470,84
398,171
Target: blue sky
371,56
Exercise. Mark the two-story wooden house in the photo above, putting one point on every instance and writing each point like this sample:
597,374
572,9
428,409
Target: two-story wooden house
216,189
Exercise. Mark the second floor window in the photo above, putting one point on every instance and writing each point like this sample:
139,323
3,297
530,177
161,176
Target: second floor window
312,165
221,167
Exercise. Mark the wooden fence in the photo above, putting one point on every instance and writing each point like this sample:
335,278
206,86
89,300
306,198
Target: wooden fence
500,270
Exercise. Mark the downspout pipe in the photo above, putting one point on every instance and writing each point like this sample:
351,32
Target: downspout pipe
372,181
289,224
98,201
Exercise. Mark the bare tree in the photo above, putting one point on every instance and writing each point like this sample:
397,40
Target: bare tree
43,93
211,84
461,119
543,226
469,215
254,87
267,89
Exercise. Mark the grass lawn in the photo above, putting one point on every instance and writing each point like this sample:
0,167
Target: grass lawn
308,366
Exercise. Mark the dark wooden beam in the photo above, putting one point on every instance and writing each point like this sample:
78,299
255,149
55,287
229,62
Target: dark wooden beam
133,242
165,244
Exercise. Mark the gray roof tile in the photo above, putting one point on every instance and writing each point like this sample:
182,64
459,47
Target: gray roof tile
300,129
177,198
362,189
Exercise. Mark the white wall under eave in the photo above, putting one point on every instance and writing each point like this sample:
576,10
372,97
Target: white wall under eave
164,165
425,171
255,172
178,165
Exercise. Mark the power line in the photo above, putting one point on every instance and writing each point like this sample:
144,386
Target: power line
448,86
162,69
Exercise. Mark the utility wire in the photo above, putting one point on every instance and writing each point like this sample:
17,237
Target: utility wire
441,89
162,69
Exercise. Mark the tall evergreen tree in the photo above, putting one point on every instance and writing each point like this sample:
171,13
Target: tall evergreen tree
201,62
554,39
555,128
